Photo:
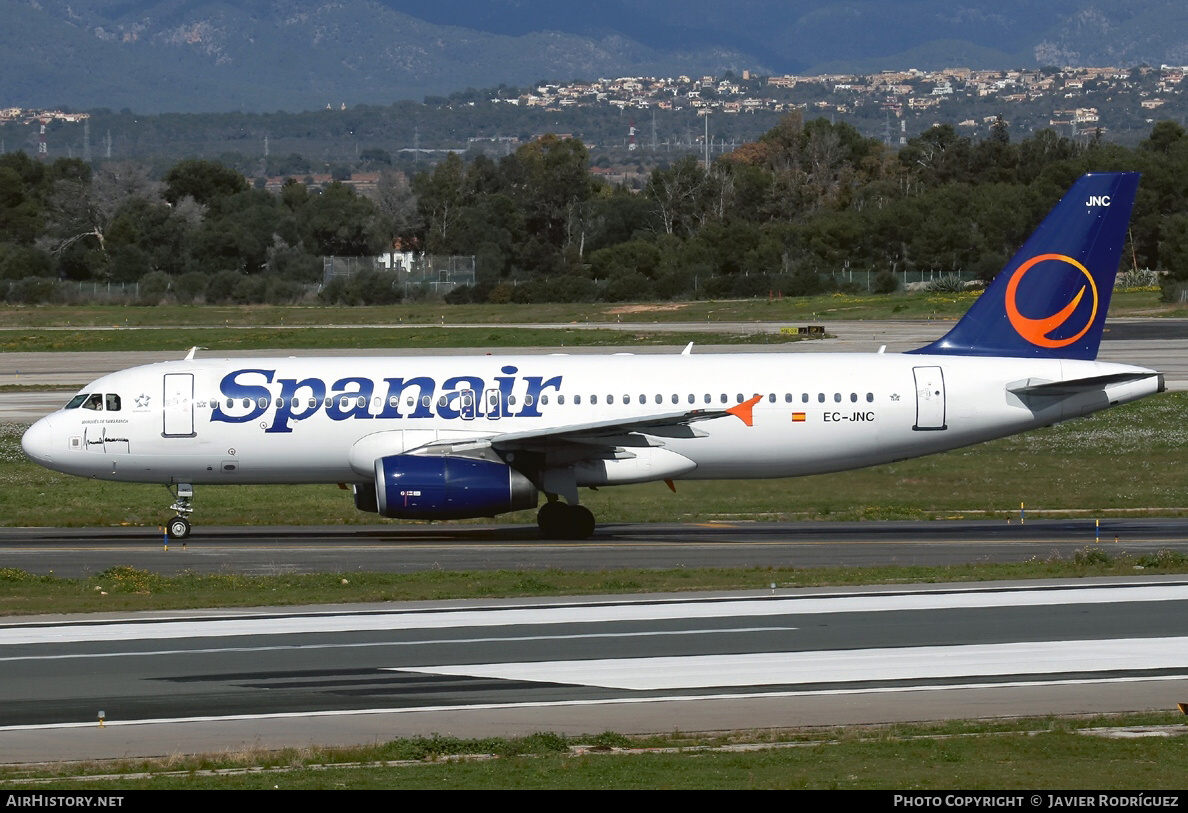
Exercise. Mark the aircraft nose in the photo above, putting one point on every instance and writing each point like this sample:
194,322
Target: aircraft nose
38,441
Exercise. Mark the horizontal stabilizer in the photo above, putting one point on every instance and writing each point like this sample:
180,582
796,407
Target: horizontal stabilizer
1034,386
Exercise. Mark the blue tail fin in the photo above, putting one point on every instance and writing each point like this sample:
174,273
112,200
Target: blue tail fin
1051,298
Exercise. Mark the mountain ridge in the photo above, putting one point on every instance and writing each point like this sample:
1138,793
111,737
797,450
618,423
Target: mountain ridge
258,55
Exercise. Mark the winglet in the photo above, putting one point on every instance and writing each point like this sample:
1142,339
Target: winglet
745,411
688,351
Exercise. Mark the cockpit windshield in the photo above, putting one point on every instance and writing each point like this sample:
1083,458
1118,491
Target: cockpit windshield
96,401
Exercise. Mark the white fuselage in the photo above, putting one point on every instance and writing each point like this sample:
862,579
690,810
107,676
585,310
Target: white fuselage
326,420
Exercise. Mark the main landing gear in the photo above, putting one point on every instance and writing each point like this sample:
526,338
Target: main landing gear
183,504
558,520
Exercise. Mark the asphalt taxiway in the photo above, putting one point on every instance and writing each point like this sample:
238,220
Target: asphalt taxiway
405,548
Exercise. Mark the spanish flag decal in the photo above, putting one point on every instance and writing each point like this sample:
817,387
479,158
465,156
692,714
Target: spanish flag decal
797,417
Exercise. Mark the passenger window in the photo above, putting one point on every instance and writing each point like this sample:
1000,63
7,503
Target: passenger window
837,397
870,397
820,398
527,400
112,402
853,398
593,399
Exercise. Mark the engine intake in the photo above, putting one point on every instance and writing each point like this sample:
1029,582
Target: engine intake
423,487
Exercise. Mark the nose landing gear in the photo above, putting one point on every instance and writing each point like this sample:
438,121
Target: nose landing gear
183,504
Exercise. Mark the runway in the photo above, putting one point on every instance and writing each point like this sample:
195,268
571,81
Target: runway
184,682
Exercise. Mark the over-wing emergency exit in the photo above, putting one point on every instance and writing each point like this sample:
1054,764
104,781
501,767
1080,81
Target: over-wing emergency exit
449,438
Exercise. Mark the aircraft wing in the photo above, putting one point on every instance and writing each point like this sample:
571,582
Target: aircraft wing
619,432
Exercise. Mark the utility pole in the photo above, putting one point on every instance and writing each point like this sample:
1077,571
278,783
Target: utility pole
707,148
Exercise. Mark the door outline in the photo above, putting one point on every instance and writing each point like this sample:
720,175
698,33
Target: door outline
177,406
930,399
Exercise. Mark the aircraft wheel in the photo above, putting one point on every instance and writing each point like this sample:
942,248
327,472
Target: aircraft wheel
580,522
551,519
178,528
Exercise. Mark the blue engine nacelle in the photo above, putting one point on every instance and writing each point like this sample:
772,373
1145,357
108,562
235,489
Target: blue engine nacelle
430,487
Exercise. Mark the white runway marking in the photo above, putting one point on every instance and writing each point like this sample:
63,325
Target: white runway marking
277,624
842,666
380,644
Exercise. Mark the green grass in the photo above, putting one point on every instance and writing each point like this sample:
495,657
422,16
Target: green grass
249,338
1028,754
127,589
790,310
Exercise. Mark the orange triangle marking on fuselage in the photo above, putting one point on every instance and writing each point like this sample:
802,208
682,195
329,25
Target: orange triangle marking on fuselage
745,411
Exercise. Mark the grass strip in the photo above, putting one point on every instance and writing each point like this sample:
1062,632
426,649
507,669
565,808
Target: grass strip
1023,754
792,310
314,338
128,589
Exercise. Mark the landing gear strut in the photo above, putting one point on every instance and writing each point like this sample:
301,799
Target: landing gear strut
558,520
183,504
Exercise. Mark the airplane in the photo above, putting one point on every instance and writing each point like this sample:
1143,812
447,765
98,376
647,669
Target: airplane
427,438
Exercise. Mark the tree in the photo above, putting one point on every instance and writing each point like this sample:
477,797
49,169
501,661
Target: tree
207,182
340,223
397,204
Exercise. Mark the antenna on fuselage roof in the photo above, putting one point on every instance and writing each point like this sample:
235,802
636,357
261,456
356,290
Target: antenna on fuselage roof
193,350
688,351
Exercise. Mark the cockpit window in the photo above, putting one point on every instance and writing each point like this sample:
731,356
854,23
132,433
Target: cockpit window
111,402
76,401
94,401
